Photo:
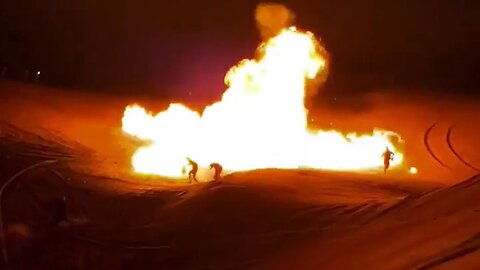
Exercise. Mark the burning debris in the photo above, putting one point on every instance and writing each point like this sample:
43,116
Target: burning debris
261,120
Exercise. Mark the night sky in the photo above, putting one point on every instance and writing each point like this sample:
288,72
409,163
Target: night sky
172,46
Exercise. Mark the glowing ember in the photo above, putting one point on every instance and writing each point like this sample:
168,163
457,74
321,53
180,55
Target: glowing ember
259,123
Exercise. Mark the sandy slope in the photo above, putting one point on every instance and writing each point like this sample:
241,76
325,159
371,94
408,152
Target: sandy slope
437,229
266,219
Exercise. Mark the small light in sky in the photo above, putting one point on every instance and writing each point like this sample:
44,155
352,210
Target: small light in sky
413,170
38,72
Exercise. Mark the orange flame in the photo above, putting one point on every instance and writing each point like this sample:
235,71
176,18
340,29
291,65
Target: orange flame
259,123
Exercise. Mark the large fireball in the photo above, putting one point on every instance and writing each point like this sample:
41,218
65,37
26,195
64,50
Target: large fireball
260,122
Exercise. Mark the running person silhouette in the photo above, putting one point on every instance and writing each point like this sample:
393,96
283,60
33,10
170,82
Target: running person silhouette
218,170
192,174
387,157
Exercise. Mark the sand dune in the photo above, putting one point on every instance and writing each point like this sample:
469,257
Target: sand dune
264,219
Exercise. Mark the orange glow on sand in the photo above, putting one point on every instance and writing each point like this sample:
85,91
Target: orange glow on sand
260,122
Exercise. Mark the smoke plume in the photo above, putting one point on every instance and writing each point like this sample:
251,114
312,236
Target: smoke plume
272,18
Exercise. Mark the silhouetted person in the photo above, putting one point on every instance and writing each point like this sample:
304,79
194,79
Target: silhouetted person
218,170
192,174
387,157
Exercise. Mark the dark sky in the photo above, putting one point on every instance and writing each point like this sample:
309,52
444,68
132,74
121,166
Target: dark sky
178,45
